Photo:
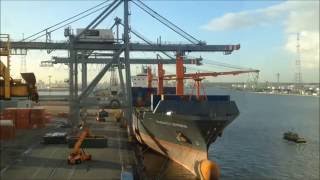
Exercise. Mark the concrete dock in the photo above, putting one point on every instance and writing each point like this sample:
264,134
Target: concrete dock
25,157
41,161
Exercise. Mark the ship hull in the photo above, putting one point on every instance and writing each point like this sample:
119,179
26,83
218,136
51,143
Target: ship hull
185,156
184,139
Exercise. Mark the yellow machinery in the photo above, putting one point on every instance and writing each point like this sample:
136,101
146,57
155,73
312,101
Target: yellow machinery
14,87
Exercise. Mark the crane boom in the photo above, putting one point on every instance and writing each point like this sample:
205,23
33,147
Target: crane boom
198,77
213,74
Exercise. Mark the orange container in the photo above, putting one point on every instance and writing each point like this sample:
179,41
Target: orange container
7,129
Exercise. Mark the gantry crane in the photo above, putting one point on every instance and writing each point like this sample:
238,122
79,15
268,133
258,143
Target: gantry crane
120,51
76,47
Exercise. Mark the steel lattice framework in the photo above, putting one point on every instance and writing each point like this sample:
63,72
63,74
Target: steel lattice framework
77,48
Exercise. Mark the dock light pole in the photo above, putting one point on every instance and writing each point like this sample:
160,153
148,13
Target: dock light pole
49,84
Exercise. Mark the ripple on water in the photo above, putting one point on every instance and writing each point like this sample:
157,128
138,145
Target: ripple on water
252,146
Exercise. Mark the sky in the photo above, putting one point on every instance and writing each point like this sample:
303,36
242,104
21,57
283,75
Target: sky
266,31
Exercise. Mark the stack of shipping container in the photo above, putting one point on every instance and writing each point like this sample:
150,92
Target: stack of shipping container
21,118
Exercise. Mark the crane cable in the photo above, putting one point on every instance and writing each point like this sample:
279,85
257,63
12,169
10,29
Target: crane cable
69,23
46,29
167,23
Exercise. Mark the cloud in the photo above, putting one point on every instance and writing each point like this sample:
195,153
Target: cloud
296,16
244,19
309,48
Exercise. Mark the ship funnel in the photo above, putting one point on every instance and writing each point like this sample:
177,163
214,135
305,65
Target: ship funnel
209,170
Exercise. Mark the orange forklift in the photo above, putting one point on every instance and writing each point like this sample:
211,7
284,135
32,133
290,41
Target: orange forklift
78,155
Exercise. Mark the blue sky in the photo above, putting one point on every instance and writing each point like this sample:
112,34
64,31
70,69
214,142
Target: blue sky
264,29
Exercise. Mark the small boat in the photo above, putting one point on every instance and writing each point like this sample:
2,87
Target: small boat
291,136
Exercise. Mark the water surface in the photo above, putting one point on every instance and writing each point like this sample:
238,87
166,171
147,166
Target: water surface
252,146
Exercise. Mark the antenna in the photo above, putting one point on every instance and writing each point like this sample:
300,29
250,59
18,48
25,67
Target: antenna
298,74
278,78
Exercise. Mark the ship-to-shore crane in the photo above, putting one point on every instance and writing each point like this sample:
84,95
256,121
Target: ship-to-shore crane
121,49
198,77
180,76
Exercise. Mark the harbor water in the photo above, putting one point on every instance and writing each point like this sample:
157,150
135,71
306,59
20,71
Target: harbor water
252,146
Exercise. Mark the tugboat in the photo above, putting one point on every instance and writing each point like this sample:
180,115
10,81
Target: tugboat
291,136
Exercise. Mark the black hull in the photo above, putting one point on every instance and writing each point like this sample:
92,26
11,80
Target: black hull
184,138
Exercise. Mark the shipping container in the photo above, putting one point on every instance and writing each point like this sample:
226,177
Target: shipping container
37,117
22,118
7,129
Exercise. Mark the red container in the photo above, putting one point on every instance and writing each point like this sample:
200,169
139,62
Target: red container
48,118
23,118
37,117
10,113
7,130
63,115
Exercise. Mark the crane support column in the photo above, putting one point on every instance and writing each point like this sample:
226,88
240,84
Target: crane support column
70,88
74,111
76,102
127,65
160,79
149,77
84,78
179,74
121,79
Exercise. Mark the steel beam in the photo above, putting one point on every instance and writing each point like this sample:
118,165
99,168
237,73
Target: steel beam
127,66
72,104
101,54
84,76
58,60
116,47
107,14
123,91
96,80
75,75
96,19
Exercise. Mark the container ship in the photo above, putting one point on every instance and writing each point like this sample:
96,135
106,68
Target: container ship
181,127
